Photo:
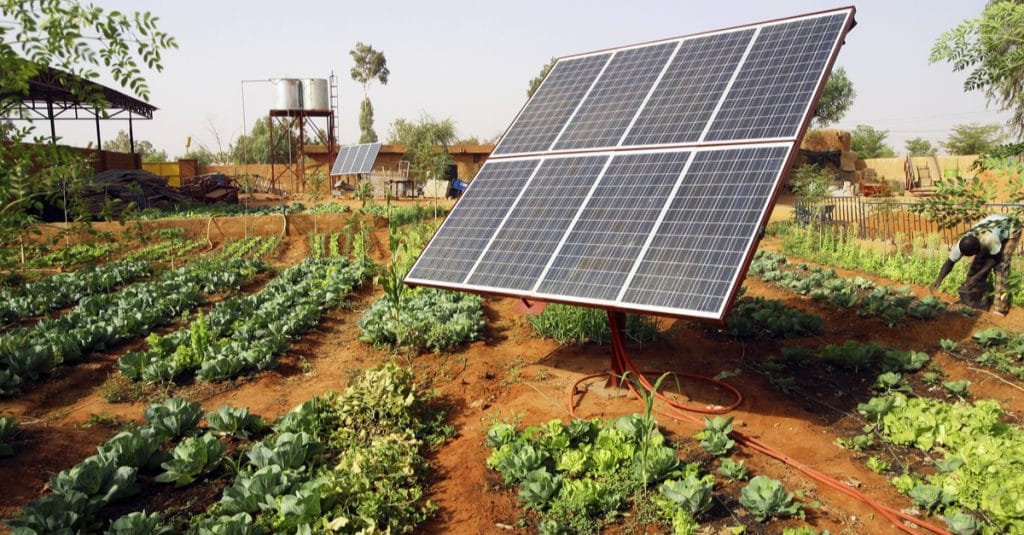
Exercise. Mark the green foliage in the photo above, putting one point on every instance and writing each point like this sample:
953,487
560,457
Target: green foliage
852,355
191,458
868,142
960,523
366,132
983,455
77,40
715,436
254,147
892,305
579,476
957,388
757,317
139,523
876,464
121,143
988,47
96,482
65,289
991,337
766,498
426,144
234,421
536,81
920,147
973,138
431,320
836,99
733,470
247,333
174,418
577,325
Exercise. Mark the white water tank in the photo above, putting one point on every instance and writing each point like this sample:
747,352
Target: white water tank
287,94
314,94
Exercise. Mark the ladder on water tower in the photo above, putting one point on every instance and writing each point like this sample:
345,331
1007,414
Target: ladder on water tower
334,106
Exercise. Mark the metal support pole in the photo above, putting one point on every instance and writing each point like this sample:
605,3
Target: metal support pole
53,127
617,324
99,145
302,151
273,172
131,134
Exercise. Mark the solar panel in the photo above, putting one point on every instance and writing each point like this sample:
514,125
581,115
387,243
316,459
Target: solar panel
639,178
355,159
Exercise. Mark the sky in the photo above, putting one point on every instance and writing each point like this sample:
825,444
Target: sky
471,61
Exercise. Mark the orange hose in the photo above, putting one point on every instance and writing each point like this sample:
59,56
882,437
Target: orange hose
676,410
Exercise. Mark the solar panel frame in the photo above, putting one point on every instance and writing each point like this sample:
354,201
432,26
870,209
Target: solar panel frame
356,159
702,145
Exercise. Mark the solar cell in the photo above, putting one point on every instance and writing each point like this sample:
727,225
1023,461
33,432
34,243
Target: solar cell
603,117
455,248
780,75
355,159
695,253
535,225
639,178
690,89
604,243
554,102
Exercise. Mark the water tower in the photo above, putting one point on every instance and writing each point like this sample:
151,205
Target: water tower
300,104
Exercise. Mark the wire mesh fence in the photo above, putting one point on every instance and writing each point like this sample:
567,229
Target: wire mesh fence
887,220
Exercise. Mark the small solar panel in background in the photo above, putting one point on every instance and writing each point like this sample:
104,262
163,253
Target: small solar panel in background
355,159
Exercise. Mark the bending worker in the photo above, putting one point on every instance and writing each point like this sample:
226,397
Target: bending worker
991,243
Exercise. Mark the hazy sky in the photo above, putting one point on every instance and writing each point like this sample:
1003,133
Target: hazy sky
471,61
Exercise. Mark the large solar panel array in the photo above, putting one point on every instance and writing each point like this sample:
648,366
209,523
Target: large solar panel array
355,159
639,178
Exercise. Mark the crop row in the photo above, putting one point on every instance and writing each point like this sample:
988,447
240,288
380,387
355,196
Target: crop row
996,348
247,333
239,210
251,247
352,463
823,284
975,479
65,289
99,322
582,476
165,250
76,254
427,319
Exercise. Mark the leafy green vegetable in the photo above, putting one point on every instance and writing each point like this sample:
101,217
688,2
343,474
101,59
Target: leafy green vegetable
991,337
692,494
765,498
174,418
191,458
229,420
139,523
733,470
538,488
99,482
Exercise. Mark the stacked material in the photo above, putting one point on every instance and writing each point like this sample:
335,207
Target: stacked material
112,191
830,149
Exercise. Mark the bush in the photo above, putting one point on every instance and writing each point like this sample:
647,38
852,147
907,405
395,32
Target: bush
578,325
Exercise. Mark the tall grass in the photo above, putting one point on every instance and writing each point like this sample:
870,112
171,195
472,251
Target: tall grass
572,324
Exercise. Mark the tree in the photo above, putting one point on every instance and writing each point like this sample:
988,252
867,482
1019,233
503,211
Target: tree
836,98
868,142
919,147
535,82
426,144
79,40
370,65
254,147
367,135
990,49
973,138
121,143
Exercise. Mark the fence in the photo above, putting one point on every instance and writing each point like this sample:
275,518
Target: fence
884,220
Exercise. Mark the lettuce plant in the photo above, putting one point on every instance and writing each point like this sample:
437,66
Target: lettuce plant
765,498
191,458
229,420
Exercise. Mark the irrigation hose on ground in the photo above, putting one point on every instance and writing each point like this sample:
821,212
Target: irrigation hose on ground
678,411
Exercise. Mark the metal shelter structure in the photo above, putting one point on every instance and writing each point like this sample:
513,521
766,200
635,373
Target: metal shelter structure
54,95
